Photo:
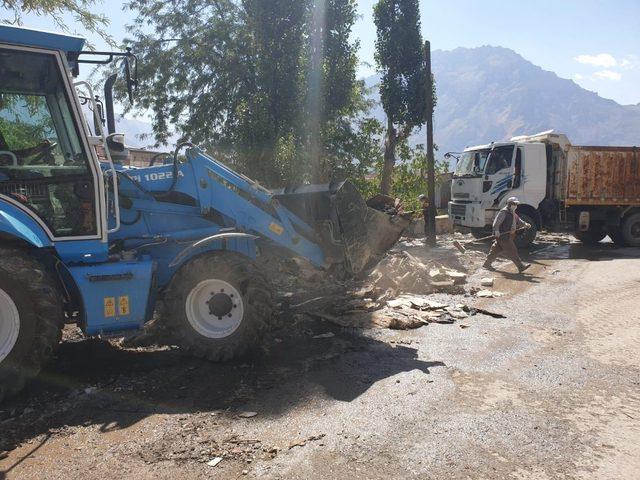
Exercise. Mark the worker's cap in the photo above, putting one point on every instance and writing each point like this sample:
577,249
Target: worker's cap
513,200
422,197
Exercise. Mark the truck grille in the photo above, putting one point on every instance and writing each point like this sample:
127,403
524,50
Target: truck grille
458,210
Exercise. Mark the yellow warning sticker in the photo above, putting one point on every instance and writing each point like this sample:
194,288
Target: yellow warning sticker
109,307
275,228
123,305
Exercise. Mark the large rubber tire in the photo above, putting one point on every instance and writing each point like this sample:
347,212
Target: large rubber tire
631,230
31,297
244,278
591,236
525,238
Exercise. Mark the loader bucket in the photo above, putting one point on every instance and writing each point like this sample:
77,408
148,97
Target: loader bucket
353,235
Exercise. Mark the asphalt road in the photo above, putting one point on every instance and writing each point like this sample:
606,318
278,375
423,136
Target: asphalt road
552,391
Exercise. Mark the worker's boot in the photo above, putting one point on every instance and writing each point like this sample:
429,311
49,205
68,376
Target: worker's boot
523,267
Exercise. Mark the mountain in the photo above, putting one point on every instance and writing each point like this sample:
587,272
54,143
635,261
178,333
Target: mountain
491,93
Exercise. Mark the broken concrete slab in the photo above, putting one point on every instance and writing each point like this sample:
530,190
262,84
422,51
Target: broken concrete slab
487,282
488,294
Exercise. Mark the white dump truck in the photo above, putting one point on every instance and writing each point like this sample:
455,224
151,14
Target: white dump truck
591,191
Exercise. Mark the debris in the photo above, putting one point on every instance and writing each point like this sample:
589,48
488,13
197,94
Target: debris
474,310
456,313
488,294
458,277
462,325
90,390
486,282
247,414
386,204
325,335
214,461
302,443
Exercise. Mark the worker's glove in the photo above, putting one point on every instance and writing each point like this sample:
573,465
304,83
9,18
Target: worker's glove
527,226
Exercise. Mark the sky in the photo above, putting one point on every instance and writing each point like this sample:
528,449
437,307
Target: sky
596,43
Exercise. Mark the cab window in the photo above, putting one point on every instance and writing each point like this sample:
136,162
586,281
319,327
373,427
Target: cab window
43,164
499,159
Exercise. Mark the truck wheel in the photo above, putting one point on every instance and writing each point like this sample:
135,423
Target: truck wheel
591,236
631,230
526,237
217,305
31,319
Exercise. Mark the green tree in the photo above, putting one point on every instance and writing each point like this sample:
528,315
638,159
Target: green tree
262,84
80,10
399,56
333,94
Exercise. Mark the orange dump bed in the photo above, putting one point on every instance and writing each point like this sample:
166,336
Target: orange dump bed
603,176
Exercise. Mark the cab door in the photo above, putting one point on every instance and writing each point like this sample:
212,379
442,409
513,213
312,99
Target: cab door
46,165
499,172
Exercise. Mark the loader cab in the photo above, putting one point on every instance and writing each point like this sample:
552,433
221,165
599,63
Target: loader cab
49,170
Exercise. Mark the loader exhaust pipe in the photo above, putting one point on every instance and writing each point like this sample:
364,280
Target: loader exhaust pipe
108,103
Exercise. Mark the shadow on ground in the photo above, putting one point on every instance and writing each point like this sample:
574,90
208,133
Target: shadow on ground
95,382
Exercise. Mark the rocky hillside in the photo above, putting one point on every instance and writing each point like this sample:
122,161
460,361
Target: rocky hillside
492,93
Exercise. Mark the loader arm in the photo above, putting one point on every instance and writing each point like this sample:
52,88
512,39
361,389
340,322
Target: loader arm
252,207
201,197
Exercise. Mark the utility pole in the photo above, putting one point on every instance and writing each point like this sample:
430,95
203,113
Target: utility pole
431,181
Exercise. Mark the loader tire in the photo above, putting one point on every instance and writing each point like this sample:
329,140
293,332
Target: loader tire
31,319
217,305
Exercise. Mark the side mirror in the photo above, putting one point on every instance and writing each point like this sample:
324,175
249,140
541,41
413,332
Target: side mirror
132,80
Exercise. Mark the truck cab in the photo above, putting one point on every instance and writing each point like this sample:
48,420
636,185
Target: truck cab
486,175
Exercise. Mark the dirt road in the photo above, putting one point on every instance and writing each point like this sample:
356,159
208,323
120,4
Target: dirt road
552,391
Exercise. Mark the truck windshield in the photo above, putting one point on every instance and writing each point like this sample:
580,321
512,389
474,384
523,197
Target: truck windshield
472,163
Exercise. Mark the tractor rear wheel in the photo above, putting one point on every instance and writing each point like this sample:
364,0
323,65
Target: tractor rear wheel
31,319
217,305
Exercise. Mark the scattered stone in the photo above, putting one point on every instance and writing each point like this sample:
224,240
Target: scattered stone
247,414
214,461
487,282
325,335
458,278
488,294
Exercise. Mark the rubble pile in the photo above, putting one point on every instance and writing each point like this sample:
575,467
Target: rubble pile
398,293
403,272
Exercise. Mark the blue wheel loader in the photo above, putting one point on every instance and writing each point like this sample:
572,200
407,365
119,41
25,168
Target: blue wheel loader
87,239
